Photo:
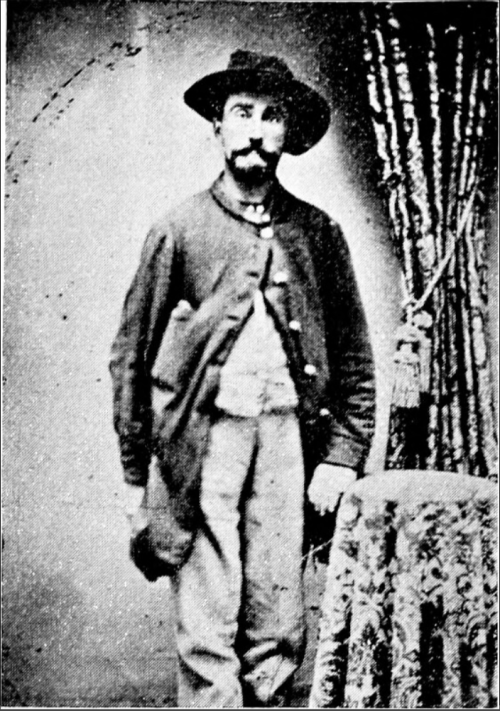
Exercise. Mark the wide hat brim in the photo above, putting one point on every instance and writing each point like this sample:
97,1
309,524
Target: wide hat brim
309,111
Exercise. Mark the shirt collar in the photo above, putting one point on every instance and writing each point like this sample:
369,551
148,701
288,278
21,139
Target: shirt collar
237,208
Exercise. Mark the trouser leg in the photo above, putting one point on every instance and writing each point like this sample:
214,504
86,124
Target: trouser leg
272,623
239,596
208,587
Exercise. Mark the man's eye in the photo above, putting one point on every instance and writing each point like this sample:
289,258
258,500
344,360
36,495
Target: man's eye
241,113
275,117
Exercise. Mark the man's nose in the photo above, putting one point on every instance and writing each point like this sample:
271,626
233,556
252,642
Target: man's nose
256,128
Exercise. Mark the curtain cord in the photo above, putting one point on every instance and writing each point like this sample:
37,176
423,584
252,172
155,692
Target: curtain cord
415,307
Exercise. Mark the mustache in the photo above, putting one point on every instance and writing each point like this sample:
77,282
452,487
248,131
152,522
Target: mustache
265,155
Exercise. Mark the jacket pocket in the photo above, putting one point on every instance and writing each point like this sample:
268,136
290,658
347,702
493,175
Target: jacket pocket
171,360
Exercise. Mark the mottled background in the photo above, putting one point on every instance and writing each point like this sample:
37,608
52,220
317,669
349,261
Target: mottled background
99,143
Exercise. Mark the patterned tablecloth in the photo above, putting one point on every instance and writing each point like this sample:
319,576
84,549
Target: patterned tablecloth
409,609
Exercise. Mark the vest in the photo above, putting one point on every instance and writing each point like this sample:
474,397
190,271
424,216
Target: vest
255,376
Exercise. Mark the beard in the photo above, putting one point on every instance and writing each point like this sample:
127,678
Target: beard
257,169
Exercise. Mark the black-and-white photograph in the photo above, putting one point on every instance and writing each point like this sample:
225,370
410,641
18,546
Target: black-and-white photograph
250,354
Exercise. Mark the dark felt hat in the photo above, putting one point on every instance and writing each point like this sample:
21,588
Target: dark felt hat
254,72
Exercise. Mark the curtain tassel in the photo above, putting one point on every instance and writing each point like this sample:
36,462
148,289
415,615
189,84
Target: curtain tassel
412,361
406,392
425,364
423,321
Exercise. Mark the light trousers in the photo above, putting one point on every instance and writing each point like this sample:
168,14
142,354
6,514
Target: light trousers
239,596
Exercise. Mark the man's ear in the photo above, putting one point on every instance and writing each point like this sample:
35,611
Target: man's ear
216,123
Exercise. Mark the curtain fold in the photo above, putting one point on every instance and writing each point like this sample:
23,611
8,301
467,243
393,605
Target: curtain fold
429,106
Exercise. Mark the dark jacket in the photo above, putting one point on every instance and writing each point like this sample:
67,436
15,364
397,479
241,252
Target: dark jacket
166,357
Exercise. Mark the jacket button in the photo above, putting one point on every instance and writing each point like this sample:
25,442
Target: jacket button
280,278
295,326
310,369
267,233
324,412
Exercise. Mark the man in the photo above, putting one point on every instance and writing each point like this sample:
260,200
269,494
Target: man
243,365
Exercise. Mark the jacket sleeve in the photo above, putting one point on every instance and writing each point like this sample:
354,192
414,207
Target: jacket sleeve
144,316
350,353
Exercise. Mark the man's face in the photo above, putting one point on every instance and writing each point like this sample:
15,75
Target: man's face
252,133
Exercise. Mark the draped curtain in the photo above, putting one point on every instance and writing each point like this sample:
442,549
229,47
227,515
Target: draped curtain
430,89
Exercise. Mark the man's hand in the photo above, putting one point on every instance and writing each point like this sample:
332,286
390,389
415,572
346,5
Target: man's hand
132,499
327,486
